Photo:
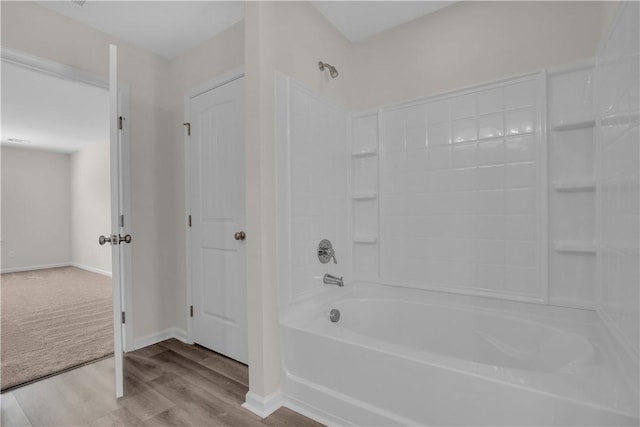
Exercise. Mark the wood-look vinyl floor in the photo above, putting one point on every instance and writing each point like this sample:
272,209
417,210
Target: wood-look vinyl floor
166,384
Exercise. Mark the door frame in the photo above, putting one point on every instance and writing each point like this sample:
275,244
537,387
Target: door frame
189,94
67,72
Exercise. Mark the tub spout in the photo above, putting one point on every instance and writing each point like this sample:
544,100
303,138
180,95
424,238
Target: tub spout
332,280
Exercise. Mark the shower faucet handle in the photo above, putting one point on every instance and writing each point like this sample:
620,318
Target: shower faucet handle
326,252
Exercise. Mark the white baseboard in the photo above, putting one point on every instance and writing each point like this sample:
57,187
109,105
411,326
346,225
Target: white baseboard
34,267
57,265
157,337
263,406
91,269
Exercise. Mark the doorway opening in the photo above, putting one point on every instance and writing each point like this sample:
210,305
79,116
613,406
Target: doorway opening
57,306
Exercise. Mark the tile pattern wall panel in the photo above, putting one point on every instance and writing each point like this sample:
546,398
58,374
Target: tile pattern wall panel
319,200
459,192
618,88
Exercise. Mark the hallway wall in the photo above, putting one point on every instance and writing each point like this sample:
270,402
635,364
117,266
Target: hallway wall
90,207
35,209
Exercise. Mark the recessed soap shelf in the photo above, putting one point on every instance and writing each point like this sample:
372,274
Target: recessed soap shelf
367,152
571,246
572,185
365,196
580,123
364,238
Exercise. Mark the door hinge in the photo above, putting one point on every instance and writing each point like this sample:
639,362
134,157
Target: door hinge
120,119
121,220
189,220
191,310
123,317
188,125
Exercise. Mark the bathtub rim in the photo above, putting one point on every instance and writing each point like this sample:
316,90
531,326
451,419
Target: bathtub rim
568,317
506,316
541,312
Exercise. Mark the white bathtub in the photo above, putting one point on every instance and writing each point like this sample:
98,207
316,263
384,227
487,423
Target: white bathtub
415,358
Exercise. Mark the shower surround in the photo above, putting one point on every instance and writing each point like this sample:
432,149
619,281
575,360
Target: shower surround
488,239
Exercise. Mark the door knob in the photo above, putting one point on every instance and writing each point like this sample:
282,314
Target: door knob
114,239
111,239
239,235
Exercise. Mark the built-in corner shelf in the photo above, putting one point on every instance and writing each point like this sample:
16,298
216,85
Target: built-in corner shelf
572,185
570,246
619,118
365,196
580,123
365,238
365,152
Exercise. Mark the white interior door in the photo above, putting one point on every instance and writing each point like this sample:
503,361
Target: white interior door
117,197
217,177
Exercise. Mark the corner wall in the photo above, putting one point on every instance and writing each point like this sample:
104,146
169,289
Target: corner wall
290,37
90,207
35,209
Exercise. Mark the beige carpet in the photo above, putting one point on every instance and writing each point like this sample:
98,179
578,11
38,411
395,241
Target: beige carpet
53,320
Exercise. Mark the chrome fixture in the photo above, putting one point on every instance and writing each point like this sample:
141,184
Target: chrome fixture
328,279
334,315
240,235
326,252
114,239
332,70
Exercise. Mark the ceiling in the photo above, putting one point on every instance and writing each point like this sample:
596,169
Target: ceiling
50,113
166,28
359,20
170,28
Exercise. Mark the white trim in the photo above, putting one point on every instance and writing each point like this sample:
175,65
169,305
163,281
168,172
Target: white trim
34,267
465,90
218,81
46,66
263,406
147,340
214,83
283,190
127,211
91,269
187,207
116,253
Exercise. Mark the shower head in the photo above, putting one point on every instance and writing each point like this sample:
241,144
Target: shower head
332,70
